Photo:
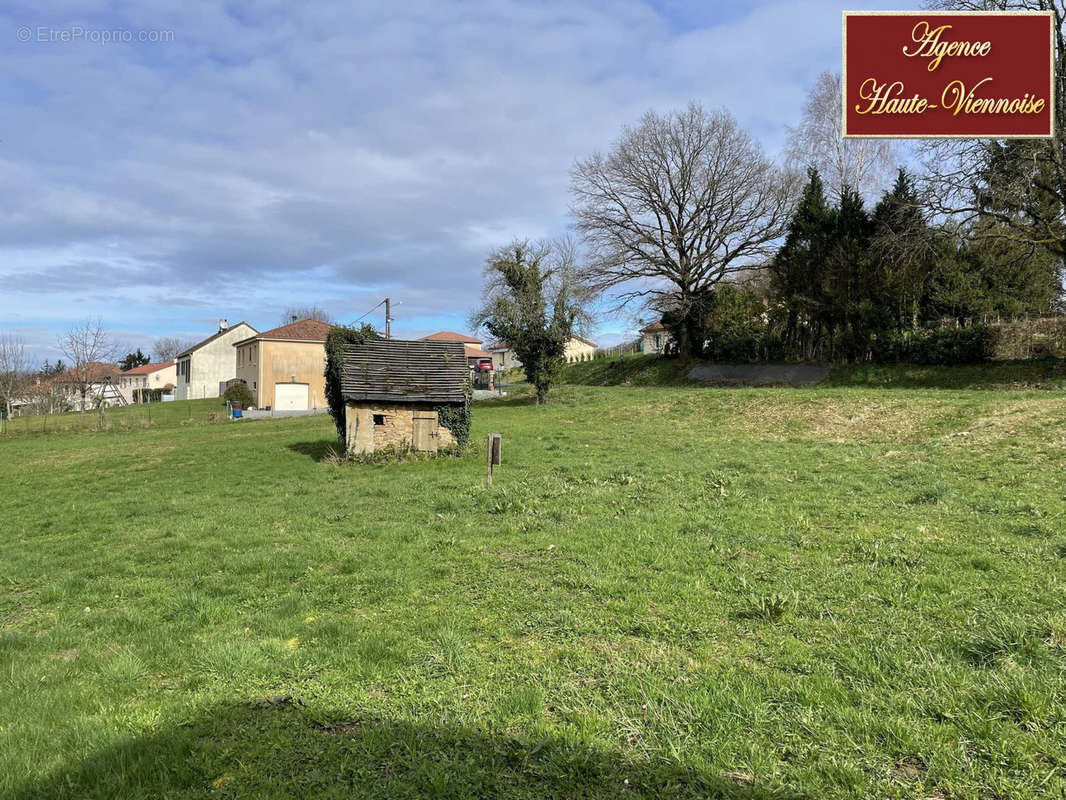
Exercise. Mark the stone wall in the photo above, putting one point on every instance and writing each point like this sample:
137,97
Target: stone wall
394,427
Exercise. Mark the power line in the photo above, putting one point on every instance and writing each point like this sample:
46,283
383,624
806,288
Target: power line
371,311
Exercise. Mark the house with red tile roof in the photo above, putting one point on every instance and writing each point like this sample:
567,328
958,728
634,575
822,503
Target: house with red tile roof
285,367
471,344
91,385
148,382
654,338
451,336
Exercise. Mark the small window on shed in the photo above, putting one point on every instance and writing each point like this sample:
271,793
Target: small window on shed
379,419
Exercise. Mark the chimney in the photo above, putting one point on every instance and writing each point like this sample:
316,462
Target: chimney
223,324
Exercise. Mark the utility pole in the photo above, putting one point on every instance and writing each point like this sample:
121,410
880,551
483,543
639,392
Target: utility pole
388,317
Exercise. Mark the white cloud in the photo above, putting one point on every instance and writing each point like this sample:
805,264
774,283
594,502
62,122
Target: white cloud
319,152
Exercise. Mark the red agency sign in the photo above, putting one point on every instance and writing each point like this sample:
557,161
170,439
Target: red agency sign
911,74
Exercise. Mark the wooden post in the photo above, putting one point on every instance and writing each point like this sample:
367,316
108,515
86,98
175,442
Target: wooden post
493,446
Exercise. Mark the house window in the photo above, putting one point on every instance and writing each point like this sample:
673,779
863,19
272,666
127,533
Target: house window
379,419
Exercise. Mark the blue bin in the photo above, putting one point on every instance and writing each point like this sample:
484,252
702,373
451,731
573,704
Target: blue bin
238,413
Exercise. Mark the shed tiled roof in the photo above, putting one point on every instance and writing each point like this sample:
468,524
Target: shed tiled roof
393,370
304,330
505,346
148,369
655,326
473,351
450,336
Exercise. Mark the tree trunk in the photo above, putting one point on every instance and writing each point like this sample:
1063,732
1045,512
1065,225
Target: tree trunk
542,393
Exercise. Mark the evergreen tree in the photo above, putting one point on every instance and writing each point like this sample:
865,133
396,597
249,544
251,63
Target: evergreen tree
797,277
131,360
851,309
903,248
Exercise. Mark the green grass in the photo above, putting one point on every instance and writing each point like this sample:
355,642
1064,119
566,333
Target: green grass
628,370
125,418
1042,374
756,593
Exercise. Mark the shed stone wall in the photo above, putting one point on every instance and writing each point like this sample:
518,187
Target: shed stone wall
362,435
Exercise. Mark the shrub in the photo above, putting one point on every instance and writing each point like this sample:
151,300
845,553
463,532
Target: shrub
953,346
238,392
942,346
456,417
339,336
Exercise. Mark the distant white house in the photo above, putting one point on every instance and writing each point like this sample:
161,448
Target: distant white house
204,369
654,338
577,349
148,383
93,385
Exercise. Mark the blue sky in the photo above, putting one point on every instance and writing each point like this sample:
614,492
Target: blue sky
283,153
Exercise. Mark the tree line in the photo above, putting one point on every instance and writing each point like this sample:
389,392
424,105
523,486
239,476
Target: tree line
686,220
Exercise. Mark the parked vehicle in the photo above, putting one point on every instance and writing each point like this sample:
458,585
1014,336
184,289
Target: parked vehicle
483,364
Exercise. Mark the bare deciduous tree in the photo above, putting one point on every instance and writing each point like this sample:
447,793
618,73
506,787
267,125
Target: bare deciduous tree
294,313
1019,184
167,348
12,367
680,202
866,165
89,348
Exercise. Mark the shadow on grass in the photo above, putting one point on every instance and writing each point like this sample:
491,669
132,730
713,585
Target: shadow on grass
321,450
278,748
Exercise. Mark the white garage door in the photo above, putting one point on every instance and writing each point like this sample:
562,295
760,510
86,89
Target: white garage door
290,397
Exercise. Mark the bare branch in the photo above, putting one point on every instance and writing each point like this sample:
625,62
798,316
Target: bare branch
680,203
90,351
865,165
12,367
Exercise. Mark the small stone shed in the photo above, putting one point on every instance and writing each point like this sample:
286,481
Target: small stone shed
393,391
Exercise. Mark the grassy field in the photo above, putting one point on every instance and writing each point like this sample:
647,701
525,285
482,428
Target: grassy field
690,592
124,418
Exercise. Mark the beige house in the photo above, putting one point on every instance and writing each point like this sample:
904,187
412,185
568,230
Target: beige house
394,392
204,369
285,367
577,349
148,383
654,338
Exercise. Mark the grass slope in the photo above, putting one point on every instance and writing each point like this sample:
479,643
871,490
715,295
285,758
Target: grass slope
629,370
650,370
670,593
